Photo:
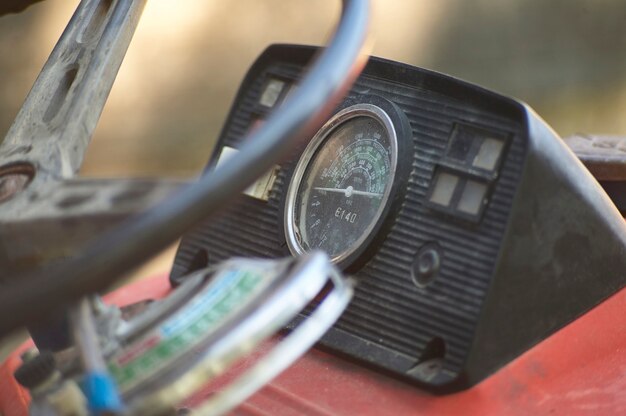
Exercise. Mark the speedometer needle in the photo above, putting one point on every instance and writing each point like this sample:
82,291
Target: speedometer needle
349,191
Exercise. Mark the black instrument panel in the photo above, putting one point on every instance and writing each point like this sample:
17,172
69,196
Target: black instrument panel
401,306
422,279
477,248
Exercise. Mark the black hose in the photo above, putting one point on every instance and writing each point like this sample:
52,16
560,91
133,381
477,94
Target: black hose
37,295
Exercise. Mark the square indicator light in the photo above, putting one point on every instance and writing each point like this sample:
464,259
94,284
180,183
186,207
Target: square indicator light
444,188
488,154
461,144
273,89
260,189
472,197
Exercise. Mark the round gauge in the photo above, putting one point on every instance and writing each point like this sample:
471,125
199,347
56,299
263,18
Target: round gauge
342,183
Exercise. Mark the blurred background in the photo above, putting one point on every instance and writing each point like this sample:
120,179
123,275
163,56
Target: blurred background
566,58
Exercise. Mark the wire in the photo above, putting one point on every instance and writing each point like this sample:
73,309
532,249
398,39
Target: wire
36,295
97,384
292,347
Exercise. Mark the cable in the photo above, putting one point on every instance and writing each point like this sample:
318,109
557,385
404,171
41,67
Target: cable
37,295
292,347
97,384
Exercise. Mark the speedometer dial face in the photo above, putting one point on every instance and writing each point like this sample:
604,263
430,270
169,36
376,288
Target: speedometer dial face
342,183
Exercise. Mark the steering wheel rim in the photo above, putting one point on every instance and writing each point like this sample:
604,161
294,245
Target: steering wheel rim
35,295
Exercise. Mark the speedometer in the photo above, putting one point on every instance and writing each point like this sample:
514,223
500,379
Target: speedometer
342,183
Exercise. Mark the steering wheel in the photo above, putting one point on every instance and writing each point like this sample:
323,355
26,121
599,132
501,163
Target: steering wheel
47,215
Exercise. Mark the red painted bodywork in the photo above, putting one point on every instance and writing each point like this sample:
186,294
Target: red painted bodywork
579,370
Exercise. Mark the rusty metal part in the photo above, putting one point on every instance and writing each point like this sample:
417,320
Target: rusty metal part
604,156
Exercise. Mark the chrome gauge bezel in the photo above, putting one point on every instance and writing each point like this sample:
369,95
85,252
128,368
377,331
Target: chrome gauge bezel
343,116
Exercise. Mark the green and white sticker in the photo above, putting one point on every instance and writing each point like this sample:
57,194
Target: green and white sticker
229,290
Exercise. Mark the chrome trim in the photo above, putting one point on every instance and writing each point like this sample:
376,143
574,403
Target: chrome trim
357,110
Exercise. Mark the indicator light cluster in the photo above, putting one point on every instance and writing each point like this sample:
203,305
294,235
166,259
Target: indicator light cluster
464,176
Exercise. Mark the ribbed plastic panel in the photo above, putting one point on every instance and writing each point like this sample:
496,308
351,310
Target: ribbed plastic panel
389,316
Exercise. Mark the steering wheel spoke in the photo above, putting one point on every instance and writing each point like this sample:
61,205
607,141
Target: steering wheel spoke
54,126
